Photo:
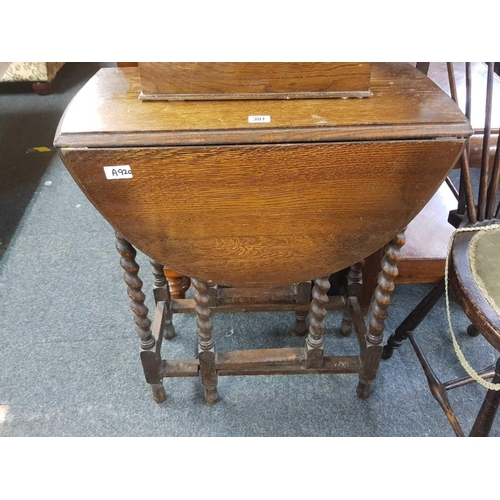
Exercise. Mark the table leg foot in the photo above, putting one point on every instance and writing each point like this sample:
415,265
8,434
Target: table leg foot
346,325
211,396
363,390
168,330
159,394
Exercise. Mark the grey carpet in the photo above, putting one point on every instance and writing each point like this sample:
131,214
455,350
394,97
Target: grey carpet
69,363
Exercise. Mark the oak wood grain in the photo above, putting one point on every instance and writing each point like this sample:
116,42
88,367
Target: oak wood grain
250,363
263,215
183,306
405,104
253,80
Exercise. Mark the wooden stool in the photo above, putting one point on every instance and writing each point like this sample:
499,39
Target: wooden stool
264,207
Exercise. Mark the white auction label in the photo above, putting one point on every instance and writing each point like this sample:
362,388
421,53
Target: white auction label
118,172
259,119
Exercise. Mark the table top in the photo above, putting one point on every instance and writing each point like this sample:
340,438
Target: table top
405,104
206,193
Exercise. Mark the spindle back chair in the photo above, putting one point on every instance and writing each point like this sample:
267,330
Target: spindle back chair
473,268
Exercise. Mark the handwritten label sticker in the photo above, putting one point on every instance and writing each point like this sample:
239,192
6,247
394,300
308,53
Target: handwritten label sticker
118,172
259,119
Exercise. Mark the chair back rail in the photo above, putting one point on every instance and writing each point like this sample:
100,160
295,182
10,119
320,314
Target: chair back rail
489,175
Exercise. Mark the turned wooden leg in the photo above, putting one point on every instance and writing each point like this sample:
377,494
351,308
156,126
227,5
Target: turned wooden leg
151,361
438,390
206,347
303,297
162,292
354,288
314,342
486,415
374,337
301,323
178,284
42,88
413,320
371,269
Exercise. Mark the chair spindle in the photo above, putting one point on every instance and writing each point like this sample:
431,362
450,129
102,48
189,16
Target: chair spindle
493,188
466,194
483,181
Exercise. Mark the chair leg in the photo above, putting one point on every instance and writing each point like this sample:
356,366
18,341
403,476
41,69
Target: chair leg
486,415
437,389
206,347
374,337
472,331
413,320
151,361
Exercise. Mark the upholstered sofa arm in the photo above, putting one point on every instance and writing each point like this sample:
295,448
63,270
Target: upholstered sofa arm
31,71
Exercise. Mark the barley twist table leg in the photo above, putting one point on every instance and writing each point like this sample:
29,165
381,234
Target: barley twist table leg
150,359
314,341
206,347
374,337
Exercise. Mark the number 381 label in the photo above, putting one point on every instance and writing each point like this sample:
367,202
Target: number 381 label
259,119
118,172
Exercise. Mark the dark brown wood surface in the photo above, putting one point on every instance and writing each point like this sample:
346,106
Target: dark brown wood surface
182,306
423,257
485,418
283,361
405,104
254,80
263,215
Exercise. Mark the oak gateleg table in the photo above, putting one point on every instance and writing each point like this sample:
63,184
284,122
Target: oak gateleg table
260,214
